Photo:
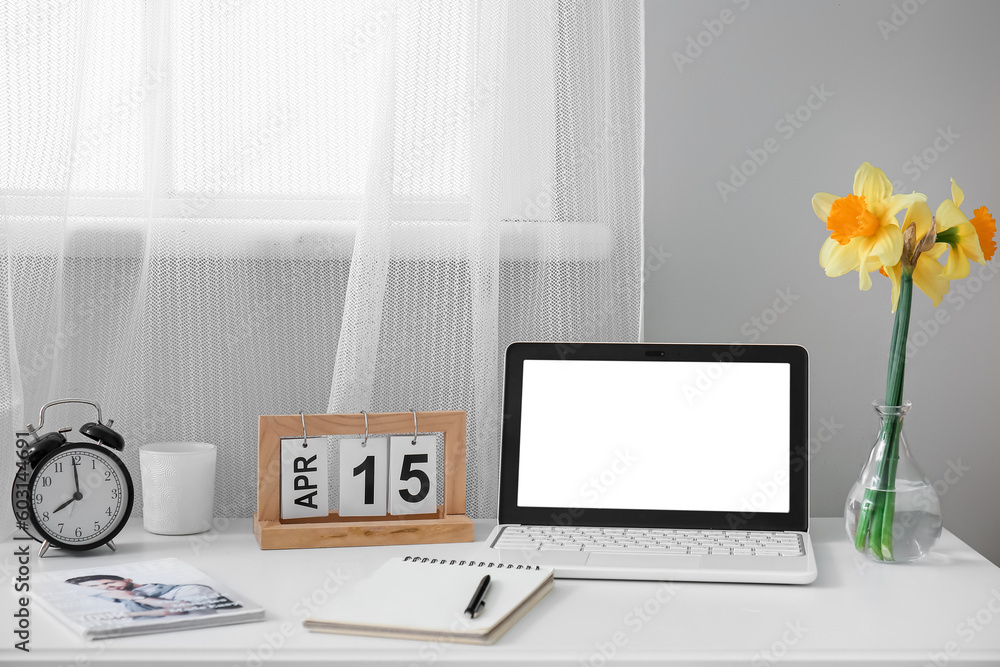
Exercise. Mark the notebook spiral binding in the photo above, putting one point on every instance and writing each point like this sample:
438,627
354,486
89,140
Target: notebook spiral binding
470,563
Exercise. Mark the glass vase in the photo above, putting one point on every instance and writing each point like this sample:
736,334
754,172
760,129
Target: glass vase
893,513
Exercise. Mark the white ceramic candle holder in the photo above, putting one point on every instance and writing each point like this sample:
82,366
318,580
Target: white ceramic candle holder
178,487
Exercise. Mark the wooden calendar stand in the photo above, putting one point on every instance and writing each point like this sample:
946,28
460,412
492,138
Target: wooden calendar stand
448,524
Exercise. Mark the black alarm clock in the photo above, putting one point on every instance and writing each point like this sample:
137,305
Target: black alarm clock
78,495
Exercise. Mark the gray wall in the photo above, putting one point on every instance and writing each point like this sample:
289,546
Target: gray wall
928,88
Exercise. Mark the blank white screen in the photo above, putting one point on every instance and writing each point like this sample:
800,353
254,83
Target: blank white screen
655,435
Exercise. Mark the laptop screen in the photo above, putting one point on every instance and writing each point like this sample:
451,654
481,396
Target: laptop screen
640,435
647,434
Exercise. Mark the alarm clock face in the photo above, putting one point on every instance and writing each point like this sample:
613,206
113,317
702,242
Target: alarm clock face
80,496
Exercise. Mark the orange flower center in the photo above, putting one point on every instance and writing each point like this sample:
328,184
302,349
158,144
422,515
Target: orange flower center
850,218
986,229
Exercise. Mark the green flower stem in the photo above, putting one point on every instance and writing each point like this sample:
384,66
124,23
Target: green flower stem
869,507
879,505
889,507
897,349
875,534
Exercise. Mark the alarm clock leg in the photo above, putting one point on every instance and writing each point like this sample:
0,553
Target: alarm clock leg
111,545
43,549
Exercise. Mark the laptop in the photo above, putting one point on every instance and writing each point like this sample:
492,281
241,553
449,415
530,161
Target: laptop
656,461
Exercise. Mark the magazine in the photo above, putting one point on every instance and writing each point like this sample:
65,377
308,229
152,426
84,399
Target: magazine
139,598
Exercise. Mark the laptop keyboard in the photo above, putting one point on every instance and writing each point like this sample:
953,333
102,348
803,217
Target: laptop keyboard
650,540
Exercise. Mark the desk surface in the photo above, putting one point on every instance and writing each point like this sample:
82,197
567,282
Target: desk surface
943,610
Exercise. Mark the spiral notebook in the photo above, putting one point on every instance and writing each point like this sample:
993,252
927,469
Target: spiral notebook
425,599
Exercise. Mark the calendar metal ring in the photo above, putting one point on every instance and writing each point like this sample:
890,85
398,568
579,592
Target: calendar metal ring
365,441
414,441
305,438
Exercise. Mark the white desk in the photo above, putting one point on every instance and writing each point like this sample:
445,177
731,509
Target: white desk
855,613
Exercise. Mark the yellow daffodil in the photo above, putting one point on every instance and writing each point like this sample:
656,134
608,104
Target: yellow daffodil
926,269
864,237
864,232
968,241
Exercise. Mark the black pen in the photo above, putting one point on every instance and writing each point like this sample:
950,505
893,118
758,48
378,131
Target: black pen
478,600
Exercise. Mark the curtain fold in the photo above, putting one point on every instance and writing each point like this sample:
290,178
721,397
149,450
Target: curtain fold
216,211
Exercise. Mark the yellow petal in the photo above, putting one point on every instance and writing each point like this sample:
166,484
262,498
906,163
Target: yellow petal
958,264
948,216
822,202
872,184
865,246
968,239
918,214
873,264
865,282
929,277
956,193
838,259
887,209
937,250
888,245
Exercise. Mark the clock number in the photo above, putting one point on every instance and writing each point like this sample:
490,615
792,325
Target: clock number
45,516
93,464
59,466
38,498
368,468
107,475
78,532
114,494
97,526
61,526
407,474
76,460
46,481
108,511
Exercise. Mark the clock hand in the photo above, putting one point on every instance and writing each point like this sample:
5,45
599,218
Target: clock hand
65,504
76,494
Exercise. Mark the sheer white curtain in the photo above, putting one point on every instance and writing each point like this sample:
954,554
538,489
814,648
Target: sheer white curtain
212,211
